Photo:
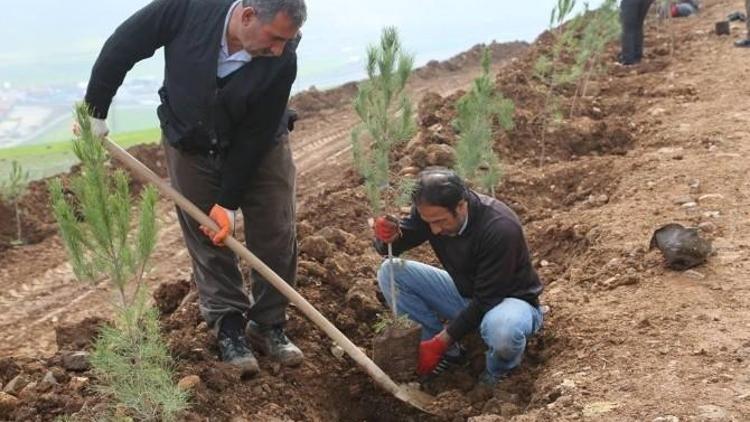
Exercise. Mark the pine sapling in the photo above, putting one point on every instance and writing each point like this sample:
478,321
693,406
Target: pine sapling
476,111
387,119
552,71
130,359
12,190
602,27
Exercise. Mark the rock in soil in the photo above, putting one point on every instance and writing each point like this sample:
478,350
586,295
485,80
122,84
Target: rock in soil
30,391
78,383
189,383
49,380
8,404
682,247
76,361
17,384
8,370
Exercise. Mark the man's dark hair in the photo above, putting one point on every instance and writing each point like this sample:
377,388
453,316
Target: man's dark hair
440,187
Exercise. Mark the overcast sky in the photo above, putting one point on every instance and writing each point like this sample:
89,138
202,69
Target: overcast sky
59,39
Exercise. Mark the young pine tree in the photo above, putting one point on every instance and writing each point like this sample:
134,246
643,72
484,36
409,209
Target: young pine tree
387,119
130,358
476,111
385,111
12,190
601,28
552,71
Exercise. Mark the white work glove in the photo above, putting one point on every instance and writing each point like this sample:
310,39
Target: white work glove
98,128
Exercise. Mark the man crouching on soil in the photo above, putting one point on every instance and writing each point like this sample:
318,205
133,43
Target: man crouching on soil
488,282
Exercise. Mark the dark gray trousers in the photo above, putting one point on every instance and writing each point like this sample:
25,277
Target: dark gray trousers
632,15
268,210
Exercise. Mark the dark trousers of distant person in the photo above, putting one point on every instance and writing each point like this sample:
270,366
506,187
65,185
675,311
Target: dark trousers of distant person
632,15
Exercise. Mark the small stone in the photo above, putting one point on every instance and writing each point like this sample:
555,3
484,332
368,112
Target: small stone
713,413
712,214
689,205
713,148
16,384
683,200
695,186
657,111
337,351
707,227
189,383
30,391
544,263
667,418
76,361
275,368
8,403
49,378
694,275
78,383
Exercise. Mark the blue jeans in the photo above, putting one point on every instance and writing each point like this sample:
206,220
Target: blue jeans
427,295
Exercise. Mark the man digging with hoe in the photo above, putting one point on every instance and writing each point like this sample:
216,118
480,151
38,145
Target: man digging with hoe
229,69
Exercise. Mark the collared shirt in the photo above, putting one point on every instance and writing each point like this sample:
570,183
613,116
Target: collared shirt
228,64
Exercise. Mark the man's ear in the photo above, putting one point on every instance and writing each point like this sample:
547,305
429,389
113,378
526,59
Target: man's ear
462,206
248,13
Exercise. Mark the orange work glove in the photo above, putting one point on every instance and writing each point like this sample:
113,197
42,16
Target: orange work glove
386,229
223,218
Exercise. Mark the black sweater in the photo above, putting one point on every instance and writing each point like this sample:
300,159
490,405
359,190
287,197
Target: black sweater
488,262
240,119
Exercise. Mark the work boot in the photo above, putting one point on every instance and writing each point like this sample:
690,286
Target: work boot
272,342
234,348
235,351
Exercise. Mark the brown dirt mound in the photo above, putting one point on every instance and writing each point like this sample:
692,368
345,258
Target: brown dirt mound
314,102
472,57
168,296
80,335
37,220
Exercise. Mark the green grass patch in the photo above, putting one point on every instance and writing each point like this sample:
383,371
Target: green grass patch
44,160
